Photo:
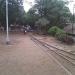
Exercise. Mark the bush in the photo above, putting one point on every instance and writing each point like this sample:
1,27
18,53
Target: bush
68,40
60,35
53,30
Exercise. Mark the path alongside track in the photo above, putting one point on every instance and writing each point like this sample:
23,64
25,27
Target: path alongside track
26,58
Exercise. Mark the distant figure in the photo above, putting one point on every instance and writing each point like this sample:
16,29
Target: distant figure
24,30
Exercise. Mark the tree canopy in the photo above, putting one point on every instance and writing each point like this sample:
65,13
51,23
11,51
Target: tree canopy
15,11
56,11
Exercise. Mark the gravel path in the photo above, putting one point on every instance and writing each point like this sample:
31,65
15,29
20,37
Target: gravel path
25,58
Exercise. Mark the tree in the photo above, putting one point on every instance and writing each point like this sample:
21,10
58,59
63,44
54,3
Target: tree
15,11
42,24
31,17
55,11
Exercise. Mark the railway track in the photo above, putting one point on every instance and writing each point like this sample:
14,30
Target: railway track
68,57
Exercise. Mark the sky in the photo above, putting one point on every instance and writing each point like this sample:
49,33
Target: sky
28,4
71,5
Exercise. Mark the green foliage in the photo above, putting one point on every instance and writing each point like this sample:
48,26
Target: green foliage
16,11
42,22
60,35
53,30
31,17
56,11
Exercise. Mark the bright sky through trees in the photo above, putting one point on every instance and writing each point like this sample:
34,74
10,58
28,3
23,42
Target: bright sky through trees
71,5
28,4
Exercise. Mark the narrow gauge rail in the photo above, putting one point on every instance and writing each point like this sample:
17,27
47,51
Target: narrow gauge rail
65,54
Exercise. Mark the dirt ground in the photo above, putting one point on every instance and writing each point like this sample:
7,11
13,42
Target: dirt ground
23,57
